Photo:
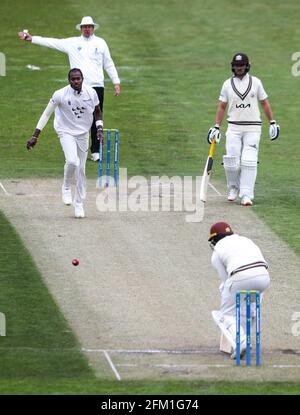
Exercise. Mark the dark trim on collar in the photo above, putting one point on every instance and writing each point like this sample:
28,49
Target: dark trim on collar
242,96
76,93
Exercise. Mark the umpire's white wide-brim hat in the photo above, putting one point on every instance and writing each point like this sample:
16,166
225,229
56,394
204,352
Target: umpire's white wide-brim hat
87,20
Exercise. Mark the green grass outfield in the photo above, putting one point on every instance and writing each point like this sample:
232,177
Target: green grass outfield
172,58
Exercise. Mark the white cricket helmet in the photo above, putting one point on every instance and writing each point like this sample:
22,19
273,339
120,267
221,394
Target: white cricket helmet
87,20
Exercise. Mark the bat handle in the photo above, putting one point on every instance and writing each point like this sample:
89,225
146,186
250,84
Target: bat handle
212,147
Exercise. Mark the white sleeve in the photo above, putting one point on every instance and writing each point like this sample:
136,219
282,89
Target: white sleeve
223,94
219,266
52,43
261,93
46,115
109,66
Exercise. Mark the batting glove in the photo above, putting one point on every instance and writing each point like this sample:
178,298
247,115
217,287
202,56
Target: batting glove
274,130
100,133
214,132
31,143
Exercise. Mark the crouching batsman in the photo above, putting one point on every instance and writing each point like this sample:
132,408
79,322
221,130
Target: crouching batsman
240,265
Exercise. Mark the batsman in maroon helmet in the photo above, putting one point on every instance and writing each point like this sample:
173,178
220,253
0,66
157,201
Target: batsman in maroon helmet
240,265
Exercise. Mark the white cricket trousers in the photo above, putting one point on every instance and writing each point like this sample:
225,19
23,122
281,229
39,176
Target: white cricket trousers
245,146
251,279
75,149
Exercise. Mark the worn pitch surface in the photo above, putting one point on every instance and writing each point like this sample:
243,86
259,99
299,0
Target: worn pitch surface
140,301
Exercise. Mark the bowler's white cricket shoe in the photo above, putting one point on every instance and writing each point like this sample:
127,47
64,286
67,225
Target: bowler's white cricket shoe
95,156
66,195
79,212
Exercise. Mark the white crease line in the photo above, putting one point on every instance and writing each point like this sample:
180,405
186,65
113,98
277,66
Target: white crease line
150,351
175,366
24,194
4,190
112,365
167,185
177,352
201,365
213,187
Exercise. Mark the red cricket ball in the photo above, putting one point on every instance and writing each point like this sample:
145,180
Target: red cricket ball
75,262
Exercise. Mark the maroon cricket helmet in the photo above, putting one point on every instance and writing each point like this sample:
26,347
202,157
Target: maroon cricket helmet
219,230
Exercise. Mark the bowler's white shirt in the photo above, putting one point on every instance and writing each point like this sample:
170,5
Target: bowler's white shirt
243,96
73,111
90,55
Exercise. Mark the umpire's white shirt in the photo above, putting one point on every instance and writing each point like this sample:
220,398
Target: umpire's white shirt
73,111
243,96
90,55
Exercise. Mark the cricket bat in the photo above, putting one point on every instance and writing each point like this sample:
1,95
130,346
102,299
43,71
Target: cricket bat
206,172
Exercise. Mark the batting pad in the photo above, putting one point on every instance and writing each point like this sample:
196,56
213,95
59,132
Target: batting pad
227,326
225,346
232,170
248,178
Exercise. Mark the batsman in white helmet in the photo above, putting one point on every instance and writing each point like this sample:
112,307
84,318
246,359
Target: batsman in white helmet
241,95
240,265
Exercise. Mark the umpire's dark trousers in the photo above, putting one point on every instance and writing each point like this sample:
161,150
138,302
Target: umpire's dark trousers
94,141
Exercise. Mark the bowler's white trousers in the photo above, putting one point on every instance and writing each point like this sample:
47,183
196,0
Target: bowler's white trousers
75,149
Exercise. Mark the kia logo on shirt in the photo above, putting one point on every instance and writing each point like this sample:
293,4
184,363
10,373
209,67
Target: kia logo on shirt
243,106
